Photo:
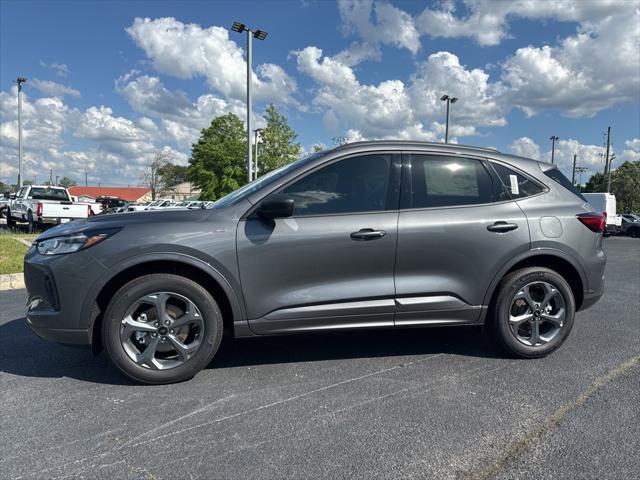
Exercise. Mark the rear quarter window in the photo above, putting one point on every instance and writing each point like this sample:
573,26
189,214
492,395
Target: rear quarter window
515,185
557,176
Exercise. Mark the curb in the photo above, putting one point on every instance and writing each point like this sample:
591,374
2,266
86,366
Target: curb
11,281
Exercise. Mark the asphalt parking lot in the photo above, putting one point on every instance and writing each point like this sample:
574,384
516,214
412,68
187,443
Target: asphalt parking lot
429,403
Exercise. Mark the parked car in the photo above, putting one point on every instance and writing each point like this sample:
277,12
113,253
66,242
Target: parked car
4,203
111,204
39,205
605,203
387,234
159,204
630,225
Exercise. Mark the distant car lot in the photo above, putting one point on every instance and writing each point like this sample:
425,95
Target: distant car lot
428,403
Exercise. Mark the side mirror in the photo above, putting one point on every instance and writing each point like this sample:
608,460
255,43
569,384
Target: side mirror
13,196
276,206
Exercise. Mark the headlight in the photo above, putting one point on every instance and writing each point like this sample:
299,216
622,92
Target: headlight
71,243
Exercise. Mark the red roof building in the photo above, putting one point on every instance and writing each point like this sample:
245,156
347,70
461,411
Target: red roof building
130,194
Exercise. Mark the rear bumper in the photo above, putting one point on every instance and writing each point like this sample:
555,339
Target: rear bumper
69,336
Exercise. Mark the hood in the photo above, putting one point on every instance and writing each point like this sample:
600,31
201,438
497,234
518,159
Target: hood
120,220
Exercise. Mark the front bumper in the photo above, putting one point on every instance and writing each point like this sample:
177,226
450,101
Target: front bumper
57,287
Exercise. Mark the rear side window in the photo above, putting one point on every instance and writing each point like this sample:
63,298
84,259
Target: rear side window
557,176
440,181
356,184
515,185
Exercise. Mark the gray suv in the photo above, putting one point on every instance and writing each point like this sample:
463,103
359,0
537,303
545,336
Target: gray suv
385,234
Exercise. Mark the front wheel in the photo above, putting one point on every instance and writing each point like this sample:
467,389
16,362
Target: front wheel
533,313
162,328
10,221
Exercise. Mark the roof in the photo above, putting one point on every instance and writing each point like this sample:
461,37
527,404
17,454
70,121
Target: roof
130,194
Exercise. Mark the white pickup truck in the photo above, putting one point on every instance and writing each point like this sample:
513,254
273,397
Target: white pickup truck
42,204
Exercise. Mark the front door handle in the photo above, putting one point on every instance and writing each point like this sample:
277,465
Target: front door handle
367,234
502,227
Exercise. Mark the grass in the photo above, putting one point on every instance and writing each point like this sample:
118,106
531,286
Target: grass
11,254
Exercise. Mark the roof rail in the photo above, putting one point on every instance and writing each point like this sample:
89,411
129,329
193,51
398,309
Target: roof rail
415,143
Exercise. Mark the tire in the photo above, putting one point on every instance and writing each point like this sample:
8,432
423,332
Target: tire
510,332
119,351
634,232
10,221
33,225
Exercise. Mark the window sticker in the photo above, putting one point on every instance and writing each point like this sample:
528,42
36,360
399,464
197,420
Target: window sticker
514,184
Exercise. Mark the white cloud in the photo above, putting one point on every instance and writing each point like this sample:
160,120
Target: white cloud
395,109
60,69
575,76
50,87
379,23
633,144
526,147
189,50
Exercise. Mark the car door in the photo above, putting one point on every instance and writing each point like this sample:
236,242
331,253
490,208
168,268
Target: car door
329,265
21,201
456,229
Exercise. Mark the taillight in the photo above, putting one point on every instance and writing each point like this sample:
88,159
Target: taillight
594,221
39,210
89,211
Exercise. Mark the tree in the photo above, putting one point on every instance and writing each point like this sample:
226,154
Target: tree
317,147
625,185
218,161
67,182
172,174
277,146
151,175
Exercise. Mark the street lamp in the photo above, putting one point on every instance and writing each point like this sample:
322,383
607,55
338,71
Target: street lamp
20,81
260,35
553,139
448,99
257,133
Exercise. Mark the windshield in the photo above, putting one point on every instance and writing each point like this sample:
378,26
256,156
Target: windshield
41,193
271,177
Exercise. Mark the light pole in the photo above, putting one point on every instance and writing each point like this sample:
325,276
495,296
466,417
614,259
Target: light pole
20,81
257,133
260,35
448,99
553,139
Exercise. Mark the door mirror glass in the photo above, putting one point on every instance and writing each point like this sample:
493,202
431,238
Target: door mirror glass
12,196
276,206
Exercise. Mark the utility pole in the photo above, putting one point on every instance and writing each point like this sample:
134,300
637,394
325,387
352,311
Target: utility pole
606,158
609,173
86,183
57,180
20,81
573,175
50,176
553,139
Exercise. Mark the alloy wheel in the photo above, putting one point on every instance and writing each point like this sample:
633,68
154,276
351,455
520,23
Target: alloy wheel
161,330
537,313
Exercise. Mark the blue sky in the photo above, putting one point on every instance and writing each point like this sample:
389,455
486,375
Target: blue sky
112,82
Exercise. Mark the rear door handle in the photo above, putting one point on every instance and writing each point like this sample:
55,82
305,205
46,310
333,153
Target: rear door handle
502,227
367,234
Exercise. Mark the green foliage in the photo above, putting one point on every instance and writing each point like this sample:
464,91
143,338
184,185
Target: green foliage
277,146
5,187
172,174
218,161
625,185
67,182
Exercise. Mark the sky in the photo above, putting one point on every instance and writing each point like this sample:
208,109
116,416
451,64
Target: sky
111,83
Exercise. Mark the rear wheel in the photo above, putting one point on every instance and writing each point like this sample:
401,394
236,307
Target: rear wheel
534,312
10,221
162,328
634,232
33,224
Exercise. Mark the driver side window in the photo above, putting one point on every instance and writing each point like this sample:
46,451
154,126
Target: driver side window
356,184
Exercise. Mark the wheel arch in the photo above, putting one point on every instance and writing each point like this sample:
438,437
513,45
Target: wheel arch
194,269
553,259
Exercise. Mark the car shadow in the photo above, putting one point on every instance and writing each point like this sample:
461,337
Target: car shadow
22,353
